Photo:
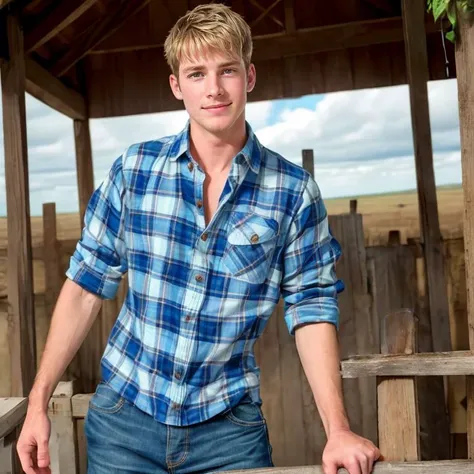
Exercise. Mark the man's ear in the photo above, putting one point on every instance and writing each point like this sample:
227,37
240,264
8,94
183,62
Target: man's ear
174,84
251,78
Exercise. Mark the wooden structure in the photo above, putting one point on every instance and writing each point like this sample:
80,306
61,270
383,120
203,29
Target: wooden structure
104,58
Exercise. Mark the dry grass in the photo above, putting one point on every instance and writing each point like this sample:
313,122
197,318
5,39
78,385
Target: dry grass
381,214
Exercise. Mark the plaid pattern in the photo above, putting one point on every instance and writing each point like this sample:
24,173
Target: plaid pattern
199,297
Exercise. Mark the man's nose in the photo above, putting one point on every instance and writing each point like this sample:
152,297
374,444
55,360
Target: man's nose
214,86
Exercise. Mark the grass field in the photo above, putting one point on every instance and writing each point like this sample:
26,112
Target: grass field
381,213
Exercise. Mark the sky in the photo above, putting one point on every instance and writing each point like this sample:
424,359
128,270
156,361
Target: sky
362,141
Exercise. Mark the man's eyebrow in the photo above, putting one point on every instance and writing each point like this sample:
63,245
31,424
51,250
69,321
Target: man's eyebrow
196,67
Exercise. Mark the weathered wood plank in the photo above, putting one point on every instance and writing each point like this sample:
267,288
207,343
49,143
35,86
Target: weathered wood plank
116,16
50,90
12,412
465,73
397,401
61,17
417,69
19,270
420,467
421,364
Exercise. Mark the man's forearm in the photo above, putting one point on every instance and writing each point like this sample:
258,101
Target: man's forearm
318,349
72,319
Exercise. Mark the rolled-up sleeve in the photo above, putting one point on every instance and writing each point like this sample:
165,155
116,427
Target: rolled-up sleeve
99,260
309,284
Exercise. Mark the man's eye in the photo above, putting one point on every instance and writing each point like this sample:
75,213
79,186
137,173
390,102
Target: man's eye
229,71
195,75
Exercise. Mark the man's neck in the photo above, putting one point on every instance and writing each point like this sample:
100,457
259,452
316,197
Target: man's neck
215,153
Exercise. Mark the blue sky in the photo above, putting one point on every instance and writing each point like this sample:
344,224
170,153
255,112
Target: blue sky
362,141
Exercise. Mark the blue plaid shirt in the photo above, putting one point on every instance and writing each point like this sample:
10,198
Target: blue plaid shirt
200,296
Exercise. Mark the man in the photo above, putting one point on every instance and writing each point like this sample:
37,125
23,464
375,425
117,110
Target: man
211,228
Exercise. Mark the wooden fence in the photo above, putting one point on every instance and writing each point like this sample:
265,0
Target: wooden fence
378,280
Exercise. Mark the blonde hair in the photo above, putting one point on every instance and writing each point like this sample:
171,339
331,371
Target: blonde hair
209,27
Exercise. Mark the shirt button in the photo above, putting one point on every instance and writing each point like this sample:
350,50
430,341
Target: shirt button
199,278
254,238
187,318
175,406
178,375
190,166
199,203
204,236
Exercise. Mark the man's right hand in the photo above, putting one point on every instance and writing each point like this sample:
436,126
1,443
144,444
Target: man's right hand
33,443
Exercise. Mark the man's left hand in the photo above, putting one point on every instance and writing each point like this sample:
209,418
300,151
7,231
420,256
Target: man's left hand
346,449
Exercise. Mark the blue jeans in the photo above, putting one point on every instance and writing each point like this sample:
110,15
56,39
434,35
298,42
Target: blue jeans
123,439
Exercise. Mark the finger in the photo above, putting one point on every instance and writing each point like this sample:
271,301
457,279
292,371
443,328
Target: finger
26,459
353,467
330,467
43,454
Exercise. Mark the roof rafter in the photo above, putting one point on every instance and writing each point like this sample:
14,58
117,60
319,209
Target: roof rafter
99,31
265,12
290,26
307,41
65,14
4,3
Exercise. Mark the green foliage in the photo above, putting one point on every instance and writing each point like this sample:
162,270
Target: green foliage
449,9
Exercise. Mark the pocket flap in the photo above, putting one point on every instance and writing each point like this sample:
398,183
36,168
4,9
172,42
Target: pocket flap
251,229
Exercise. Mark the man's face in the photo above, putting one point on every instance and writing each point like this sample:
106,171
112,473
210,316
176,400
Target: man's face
214,90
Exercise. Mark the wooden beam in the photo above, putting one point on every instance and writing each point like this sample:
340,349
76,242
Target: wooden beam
290,26
84,166
396,397
64,14
115,18
50,90
265,12
12,412
420,364
418,74
465,73
21,326
308,41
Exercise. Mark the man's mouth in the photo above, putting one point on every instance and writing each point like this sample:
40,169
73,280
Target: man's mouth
216,106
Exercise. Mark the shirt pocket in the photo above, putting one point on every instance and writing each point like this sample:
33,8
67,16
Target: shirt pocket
251,243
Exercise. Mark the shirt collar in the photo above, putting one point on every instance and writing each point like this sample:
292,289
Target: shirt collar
252,150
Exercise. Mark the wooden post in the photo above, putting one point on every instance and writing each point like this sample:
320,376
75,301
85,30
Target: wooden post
397,401
465,74
394,238
51,257
417,72
90,351
353,206
434,334
308,161
85,171
22,334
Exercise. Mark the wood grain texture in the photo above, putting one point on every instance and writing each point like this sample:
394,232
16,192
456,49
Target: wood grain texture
116,16
50,90
58,19
422,364
418,74
465,72
423,467
12,412
20,271
397,400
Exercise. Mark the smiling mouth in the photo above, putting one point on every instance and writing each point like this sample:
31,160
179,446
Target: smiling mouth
219,106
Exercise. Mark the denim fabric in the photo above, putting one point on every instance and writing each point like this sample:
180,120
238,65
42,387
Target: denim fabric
123,439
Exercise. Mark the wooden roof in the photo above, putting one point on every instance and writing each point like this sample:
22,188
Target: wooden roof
102,58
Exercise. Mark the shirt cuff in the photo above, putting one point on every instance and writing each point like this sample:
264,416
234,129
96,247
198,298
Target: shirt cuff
99,284
320,310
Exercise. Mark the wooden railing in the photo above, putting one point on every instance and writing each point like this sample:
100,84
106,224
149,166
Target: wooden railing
12,414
